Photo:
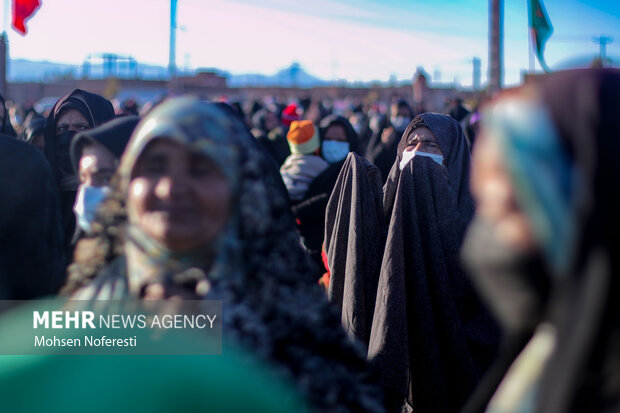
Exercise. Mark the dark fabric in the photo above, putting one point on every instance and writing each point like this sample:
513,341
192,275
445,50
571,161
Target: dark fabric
310,214
470,125
382,154
7,128
260,271
430,336
97,110
584,371
355,234
275,144
32,259
274,140
112,135
380,122
32,126
365,133
383,146
458,112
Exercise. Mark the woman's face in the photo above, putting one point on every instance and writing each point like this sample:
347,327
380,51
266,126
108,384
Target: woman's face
495,196
72,120
336,133
97,165
178,197
423,140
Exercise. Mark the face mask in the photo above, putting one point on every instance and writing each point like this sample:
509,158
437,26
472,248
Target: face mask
400,122
408,155
515,284
334,151
86,203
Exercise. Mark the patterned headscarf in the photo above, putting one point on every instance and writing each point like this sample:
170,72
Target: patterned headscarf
544,179
204,129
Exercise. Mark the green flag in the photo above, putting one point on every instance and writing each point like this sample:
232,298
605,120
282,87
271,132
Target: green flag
540,29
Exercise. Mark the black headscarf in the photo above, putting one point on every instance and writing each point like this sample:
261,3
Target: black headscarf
354,240
32,259
96,109
430,337
112,135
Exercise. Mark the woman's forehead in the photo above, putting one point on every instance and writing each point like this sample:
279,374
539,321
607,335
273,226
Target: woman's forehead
422,133
166,145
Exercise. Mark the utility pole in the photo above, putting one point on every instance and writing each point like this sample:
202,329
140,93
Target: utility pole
476,74
496,40
171,60
602,41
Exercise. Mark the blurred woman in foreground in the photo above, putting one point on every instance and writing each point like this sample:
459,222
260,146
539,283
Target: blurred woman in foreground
543,248
207,216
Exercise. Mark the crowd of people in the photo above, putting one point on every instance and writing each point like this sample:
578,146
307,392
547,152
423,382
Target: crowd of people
367,260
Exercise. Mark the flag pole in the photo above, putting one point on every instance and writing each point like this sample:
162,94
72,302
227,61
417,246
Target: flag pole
172,56
530,49
7,11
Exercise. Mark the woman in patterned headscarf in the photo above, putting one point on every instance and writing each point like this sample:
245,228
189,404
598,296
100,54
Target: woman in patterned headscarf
543,248
207,216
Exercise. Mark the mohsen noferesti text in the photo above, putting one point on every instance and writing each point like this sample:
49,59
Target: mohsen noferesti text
89,341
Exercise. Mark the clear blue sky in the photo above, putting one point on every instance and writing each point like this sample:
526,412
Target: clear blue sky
349,39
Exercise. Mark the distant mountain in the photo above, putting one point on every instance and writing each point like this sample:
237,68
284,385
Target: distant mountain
293,76
21,70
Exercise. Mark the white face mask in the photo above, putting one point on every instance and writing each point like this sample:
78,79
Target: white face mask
334,151
86,203
408,155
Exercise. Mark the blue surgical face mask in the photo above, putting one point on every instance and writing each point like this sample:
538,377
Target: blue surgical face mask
408,155
87,201
334,151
